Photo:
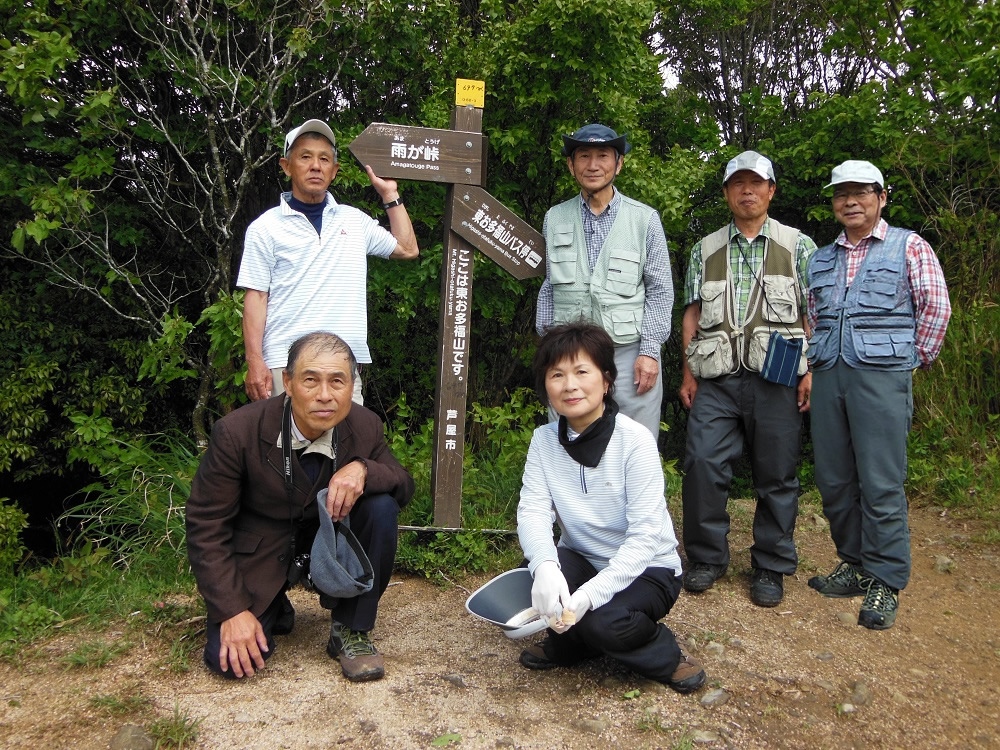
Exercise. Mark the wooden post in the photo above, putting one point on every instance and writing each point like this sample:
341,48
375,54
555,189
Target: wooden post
454,334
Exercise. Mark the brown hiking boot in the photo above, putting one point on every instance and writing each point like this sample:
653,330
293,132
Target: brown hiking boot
359,661
688,677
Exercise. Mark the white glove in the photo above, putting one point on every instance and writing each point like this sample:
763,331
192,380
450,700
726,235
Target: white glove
549,590
579,605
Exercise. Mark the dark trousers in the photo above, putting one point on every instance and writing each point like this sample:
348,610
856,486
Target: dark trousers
627,628
374,520
267,619
727,412
374,523
860,420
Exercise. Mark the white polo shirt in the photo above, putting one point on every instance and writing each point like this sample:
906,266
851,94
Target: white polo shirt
314,282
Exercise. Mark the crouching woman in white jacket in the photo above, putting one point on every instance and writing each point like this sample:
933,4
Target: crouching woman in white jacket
615,571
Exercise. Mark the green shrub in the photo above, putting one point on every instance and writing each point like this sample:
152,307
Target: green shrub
13,521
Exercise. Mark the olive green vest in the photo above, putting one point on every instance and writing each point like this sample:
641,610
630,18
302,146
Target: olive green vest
613,295
720,346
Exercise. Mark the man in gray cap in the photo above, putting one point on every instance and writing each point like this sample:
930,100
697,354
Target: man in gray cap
304,265
878,307
606,262
252,515
744,283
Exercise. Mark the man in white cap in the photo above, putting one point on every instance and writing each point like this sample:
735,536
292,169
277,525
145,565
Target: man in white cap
744,283
878,307
304,265
606,262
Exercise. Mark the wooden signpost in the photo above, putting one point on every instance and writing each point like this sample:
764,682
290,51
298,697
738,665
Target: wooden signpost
473,220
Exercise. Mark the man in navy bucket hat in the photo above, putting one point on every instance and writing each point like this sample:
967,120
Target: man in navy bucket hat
607,263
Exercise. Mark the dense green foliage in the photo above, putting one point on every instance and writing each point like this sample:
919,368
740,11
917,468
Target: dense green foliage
140,143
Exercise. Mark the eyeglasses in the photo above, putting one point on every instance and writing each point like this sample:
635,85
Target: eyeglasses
843,195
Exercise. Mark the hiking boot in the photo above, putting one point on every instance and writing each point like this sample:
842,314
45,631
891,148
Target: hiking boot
700,576
286,619
767,587
843,583
878,610
689,675
533,657
359,661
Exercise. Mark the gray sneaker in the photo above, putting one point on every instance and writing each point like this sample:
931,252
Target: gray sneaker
843,583
359,661
878,610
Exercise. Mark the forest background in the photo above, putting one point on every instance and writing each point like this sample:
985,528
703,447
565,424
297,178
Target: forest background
142,138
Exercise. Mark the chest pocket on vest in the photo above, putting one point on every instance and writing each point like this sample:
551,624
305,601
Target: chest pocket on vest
780,303
562,256
713,304
623,272
878,288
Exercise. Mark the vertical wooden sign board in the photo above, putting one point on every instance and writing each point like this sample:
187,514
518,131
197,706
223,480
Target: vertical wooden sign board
454,329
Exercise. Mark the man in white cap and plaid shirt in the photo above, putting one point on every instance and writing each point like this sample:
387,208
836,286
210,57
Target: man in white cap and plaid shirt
606,262
304,265
878,308
744,283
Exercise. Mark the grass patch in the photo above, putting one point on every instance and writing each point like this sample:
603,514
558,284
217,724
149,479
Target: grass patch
97,654
127,706
175,732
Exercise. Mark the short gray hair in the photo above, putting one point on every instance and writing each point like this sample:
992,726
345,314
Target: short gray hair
321,342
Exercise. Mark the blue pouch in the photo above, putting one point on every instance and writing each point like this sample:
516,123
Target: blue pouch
781,365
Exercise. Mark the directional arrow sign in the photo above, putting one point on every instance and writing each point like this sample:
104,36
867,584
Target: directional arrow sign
491,227
428,154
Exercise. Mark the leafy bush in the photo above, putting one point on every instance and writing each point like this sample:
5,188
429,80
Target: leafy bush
13,521
139,504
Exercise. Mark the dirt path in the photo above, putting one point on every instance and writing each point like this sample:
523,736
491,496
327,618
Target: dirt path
790,674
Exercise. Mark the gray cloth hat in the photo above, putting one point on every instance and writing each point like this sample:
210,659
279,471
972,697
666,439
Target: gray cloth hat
310,126
595,135
338,565
854,170
752,161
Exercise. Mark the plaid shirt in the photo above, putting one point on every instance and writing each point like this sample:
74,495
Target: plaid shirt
745,273
931,305
656,277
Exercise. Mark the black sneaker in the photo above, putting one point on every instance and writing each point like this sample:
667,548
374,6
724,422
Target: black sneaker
688,677
843,583
700,576
767,587
878,610
533,657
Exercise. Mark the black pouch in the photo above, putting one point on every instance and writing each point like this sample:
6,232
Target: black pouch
781,365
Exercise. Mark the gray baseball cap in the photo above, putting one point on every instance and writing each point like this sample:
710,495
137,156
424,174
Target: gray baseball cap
854,170
310,126
752,161
338,565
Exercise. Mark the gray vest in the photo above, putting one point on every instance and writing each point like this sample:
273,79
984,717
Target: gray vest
871,324
613,295
720,347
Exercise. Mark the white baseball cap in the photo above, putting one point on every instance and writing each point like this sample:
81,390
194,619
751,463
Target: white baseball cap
854,170
751,160
310,126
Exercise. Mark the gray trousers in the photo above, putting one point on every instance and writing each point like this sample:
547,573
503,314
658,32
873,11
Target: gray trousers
727,412
644,409
860,420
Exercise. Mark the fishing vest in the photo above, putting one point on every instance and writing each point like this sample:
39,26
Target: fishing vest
871,323
720,346
613,294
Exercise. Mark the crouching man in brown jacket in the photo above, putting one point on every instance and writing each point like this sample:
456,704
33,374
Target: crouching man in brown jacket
253,515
